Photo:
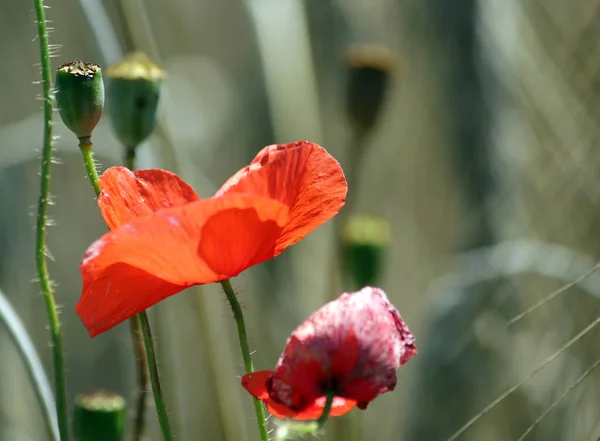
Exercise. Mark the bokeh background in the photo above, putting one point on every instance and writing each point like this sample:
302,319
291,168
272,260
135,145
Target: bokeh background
484,161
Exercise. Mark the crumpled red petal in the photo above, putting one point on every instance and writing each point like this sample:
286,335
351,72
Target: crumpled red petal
256,384
151,258
301,175
127,195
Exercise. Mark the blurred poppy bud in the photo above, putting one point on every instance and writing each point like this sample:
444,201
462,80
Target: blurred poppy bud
80,96
99,416
133,89
369,71
364,242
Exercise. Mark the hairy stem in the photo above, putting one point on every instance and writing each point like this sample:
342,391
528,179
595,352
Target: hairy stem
88,160
40,243
139,325
248,367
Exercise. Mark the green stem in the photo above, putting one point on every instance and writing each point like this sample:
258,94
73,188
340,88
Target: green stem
325,415
88,160
40,243
248,367
129,157
135,330
139,325
161,409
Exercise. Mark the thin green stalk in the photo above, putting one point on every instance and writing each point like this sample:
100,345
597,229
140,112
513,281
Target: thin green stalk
161,409
238,315
139,325
129,158
88,160
135,330
40,243
325,415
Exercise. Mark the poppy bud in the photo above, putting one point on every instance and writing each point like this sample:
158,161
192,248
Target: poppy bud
369,72
80,96
364,242
133,89
99,416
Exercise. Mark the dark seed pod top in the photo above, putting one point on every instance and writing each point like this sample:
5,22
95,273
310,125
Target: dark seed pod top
80,96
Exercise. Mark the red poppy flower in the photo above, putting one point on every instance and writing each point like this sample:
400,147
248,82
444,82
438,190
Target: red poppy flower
351,347
165,238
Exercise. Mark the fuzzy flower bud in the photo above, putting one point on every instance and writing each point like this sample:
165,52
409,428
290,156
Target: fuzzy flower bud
369,71
80,96
99,416
364,241
133,89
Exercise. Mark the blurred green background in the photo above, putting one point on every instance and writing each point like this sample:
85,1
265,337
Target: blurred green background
484,161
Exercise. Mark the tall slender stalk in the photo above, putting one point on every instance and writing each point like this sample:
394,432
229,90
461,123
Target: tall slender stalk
135,330
163,417
139,324
40,242
238,315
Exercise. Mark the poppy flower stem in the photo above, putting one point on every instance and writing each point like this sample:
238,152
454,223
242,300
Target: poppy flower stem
85,145
325,415
40,242
135,330
163,417
139,326
248,366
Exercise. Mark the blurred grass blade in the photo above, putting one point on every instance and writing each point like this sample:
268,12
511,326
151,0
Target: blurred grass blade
554,294
533,373
33,364
559,399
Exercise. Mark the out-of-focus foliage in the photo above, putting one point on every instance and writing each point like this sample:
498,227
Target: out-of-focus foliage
488,134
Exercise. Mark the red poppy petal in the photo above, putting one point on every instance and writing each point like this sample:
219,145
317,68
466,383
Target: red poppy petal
149,259
303,176
256,384
347,356
127,195
340,406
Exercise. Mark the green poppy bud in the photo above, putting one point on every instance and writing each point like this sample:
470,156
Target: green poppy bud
80,96
369,71
133,89
99,416
364,241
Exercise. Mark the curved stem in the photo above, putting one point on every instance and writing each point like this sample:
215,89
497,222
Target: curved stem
135,330
33,364
139,325
88,160
40,243
238,315
325,415
161,409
